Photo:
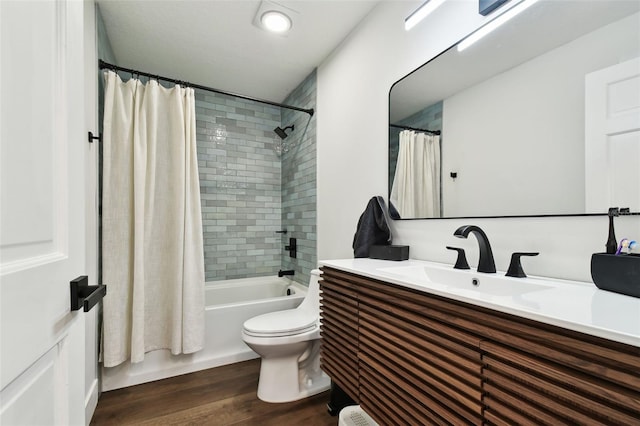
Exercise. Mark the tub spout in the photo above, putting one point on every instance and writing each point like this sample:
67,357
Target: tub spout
282,273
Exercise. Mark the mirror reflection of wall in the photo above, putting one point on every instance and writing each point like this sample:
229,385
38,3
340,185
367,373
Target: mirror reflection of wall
512,110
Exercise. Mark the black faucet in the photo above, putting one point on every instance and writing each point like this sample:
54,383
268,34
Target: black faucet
515,267
282,273
486,262
461,261
292,247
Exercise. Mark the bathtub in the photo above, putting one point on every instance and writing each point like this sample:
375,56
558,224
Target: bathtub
228,305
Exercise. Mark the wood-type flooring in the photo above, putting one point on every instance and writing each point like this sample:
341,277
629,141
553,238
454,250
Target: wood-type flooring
219,396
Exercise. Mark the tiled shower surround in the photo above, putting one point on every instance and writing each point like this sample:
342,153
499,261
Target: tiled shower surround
299,181
246,191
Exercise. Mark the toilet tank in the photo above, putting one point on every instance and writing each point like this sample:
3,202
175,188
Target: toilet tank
311,302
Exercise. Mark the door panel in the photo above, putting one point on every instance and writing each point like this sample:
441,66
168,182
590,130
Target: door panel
612,137
28,210
42,215
624,155
18,407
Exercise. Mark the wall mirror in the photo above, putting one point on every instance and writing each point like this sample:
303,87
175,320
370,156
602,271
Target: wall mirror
540,117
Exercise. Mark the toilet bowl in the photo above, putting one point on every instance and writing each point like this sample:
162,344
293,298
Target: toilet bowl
289,344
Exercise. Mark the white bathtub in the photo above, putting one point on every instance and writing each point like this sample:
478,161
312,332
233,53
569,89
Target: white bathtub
228,305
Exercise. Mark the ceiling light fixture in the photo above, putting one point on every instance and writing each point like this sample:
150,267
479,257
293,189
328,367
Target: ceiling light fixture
274,17
276,21
495,23
422,12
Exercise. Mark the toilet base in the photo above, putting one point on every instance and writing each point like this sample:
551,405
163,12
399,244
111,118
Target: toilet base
282,381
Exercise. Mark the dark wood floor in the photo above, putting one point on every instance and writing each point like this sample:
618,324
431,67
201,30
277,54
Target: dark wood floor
218,396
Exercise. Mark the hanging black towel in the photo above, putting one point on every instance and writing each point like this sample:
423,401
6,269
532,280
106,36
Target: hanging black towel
372,229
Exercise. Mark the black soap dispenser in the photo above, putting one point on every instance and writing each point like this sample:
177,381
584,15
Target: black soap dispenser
619,273
612,244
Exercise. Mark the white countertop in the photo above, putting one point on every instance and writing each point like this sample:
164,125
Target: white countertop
578,306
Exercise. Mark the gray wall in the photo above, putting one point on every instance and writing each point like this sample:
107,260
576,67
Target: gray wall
105,52
299,181
239,186
248,192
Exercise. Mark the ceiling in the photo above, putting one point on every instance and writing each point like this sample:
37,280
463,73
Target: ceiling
214,43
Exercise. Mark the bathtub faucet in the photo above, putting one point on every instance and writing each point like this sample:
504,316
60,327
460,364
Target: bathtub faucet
282,273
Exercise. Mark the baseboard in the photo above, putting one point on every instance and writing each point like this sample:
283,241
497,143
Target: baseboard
91,402
126,374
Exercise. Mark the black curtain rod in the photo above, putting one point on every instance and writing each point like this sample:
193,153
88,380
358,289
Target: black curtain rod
398,126
103,65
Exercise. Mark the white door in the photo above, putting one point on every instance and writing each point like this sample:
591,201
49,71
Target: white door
612,137
42,212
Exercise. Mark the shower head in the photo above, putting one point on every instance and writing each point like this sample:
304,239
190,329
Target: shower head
282,132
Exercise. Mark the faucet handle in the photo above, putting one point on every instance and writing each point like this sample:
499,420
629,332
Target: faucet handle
461,261
515,267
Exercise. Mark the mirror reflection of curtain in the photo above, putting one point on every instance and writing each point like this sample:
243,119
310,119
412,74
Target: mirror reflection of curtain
415,192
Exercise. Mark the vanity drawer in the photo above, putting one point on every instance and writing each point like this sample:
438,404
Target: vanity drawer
520,386
605,359
450,361
399,399
339,331
434,366
339,371
340,362
340,282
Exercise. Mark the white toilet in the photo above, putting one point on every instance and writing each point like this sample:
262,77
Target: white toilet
289,344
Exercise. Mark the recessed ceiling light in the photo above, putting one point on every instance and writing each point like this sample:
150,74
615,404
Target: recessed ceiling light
276,21
274,17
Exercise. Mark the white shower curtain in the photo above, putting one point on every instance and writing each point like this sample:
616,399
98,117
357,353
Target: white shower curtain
415,192
152,253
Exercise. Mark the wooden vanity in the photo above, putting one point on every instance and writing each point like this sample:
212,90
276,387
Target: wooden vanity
409,357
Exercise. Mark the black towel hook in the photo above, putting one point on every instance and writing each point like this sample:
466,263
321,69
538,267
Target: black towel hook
93,138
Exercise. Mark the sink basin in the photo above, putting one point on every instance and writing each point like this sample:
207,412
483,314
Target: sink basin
447,278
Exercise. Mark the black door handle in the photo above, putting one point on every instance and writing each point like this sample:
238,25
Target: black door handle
85,295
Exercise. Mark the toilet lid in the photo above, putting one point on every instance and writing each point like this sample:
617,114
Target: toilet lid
281,323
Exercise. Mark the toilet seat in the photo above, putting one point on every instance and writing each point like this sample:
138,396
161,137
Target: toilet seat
282,323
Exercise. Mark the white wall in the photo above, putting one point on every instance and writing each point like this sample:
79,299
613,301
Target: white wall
524,114
353,88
